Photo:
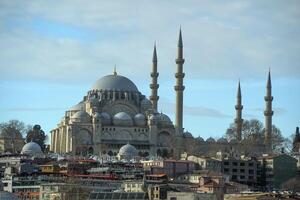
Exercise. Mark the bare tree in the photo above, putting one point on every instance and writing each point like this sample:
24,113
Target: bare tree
253,131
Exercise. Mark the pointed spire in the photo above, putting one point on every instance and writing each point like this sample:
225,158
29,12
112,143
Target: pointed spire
154,58
269,85
180,39
115,71
239,94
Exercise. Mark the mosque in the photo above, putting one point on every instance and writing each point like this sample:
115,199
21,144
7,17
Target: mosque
114,113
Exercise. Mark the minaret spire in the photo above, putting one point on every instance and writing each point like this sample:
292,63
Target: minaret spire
238,120
179,87
268,114
115,71
154,75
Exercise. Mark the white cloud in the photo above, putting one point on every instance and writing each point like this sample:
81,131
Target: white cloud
222,40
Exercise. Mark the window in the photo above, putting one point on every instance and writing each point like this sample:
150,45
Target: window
234,163
226,163
233,177
173,198
250,164
242,170
242,164
234,170
242,177
226,170
251,171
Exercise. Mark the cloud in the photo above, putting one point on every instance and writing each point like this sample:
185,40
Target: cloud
199,111
70,41
277,110
27,109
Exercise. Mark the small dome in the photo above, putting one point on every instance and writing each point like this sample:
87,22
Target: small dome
210,139
233,141
32,149
188,135
122,119
222,140
97,115
164,120
140,119
128,151
78,107
81,116
115,82
105,118
146,104
200,139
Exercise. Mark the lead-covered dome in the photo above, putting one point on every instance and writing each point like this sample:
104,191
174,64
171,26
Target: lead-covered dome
140,119
122,119
32,149
81,116
128,151
115,82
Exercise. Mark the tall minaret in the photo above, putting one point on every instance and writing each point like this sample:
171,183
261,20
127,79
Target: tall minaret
179,86
238,120
154,75
268,114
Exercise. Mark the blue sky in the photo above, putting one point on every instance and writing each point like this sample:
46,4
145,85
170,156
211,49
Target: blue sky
53,52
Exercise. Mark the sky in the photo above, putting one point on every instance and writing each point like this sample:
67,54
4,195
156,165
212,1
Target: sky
53,51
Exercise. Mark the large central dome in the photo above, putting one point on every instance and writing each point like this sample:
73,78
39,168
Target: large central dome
115,82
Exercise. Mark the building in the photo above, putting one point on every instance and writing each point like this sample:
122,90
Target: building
243,170
206,162
274,170
172,168
296,142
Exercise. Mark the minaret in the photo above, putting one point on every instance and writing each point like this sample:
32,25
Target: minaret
268,114
238,120
179,86
154,75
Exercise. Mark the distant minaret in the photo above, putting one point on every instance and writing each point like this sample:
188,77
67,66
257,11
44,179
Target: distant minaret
179,86
238,120
154,86
268,114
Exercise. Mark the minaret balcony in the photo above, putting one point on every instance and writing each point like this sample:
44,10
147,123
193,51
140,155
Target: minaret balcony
268,113
154,74
268,98
179,75
154,86
179,87
179,61
239,107
238,120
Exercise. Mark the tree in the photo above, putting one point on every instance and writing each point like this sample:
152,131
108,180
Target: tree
36,134
14,129
253,131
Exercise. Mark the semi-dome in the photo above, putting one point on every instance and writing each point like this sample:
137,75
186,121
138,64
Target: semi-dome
210,139
105,118
115,82
140,119
81,116
164,120
222,140
32,149
128,151
78,107
122,119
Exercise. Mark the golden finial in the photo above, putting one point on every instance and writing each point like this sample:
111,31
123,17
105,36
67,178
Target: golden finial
115,71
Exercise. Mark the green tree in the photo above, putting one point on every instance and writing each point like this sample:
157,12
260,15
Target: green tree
253,131
36,134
